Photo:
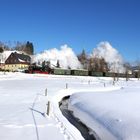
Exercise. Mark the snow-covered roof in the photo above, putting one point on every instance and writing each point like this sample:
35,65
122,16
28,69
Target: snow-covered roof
6,54
20,60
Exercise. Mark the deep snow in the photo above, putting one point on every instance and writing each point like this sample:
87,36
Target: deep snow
113,114
112,111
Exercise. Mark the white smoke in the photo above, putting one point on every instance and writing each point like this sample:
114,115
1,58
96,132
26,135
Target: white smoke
111,56
65,55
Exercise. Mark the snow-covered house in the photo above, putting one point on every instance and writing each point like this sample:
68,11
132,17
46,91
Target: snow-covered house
1,61
17,61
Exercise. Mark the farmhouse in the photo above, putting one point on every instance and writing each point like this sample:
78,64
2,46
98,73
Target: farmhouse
17,61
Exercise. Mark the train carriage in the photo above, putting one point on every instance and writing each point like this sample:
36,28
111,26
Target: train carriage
59,71
79,72
94,73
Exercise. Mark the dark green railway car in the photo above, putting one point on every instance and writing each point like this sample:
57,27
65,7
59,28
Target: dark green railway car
136,74
130,76
98,74
79,72
110,74
121,75
58,71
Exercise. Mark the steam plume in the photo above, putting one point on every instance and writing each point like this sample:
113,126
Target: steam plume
111,56
65,55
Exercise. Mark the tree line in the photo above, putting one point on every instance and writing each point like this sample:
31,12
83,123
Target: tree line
93,63
99,64
90,63
26,47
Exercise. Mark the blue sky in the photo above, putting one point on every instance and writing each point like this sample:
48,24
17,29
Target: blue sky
81,24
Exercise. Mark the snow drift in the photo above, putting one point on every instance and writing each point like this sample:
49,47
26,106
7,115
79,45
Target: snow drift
111,56
65,55
113,115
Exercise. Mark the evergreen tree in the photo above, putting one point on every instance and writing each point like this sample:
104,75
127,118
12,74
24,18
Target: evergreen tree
1,50
83,58
58,64
29,48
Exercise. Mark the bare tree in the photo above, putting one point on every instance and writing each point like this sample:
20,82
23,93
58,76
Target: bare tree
19,46
127,69
4,46
138,69
98,64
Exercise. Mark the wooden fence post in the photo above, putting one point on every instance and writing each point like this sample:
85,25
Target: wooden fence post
48,108
66,85
46,92
113,83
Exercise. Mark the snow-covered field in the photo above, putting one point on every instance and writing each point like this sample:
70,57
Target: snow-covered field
112,111
113,114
